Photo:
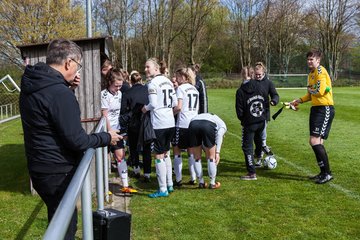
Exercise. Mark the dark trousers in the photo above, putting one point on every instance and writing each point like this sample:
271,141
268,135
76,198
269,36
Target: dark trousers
51,188
248,137
133,137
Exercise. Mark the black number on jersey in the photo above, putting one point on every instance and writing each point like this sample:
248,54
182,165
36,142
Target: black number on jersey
195,97
167,97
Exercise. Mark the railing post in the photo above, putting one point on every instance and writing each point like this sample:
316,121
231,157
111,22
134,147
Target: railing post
106,169
86,209
99,178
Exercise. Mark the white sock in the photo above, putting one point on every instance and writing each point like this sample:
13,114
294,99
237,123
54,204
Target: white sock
147,175
169,180
191,162
212,170
178,167
198,170
160,167
123,172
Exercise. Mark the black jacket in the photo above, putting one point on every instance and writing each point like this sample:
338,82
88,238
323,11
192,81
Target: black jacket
201,87
250,103
131,104
54,138
269,88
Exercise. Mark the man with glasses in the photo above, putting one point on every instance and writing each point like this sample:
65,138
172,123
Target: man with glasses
76,81
54,138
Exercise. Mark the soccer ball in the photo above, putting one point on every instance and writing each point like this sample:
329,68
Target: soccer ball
270,162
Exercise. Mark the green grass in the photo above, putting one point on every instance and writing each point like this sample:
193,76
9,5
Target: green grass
282,204
22,215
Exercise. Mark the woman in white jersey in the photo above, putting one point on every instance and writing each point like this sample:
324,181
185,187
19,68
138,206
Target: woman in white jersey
110,108
162,99
207,130
187,108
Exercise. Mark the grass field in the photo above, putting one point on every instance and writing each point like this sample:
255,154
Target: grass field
282,204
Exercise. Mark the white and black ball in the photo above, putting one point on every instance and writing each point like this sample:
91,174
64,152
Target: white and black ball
270,162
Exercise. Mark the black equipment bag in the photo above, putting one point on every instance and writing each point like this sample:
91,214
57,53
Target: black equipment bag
111,224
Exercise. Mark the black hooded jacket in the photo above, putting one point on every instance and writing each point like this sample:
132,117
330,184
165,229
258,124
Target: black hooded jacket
54,138
250,103
270,91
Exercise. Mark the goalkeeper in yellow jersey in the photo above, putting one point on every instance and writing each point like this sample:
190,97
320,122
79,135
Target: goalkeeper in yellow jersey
322,112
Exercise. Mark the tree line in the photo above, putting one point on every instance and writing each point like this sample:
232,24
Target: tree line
221,35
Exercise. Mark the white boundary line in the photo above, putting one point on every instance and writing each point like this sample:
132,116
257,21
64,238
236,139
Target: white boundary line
338,187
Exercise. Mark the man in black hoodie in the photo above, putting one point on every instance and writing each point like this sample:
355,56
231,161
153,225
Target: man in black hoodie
251,111
54,138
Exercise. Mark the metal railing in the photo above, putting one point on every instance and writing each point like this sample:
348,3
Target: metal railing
9,99
82,182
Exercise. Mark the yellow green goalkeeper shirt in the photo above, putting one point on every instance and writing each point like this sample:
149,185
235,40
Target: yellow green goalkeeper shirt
319,88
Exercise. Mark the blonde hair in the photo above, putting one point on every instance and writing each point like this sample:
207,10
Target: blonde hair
155,61
260,65
188,74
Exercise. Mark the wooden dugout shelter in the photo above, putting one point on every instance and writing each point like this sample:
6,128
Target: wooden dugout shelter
88,93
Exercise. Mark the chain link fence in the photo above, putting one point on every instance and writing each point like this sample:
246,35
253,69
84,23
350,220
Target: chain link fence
233,80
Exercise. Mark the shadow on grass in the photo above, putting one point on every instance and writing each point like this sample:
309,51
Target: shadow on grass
278,175
25,228
13,169
227,168
231,168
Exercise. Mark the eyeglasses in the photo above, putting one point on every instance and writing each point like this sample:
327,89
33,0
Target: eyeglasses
79,66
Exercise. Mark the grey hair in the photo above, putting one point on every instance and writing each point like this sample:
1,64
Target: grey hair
61,49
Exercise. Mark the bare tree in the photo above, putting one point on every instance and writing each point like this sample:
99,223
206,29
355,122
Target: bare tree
334,20
264,32
286,25
199,12
243,14
127,10
176,26
115,16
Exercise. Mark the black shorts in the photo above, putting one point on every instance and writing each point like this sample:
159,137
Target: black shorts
320,120
163,139
181,138
119,145
202,132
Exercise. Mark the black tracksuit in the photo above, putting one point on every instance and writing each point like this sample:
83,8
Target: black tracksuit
269,91
54,138
251,111
203,101
131,104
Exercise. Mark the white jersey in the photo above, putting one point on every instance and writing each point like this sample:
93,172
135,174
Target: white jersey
112,103
162,99
220,127
190,104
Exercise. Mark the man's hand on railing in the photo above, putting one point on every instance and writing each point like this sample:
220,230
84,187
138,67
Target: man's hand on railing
115,137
